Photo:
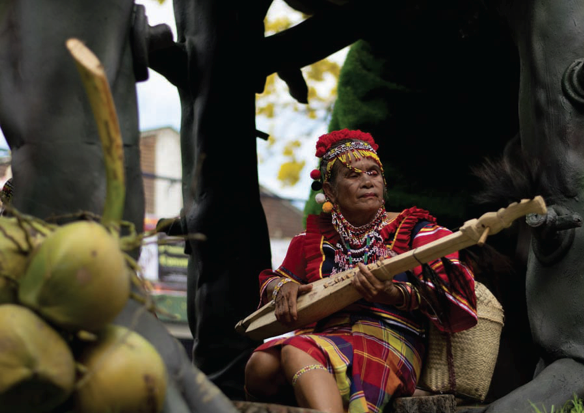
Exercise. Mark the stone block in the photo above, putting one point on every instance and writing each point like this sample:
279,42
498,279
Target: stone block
440,403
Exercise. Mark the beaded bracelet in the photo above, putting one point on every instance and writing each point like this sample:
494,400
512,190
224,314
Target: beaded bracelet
305,369
266,284
278,286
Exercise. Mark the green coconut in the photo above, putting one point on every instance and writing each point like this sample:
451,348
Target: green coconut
125,374
77,278
17,241
37,369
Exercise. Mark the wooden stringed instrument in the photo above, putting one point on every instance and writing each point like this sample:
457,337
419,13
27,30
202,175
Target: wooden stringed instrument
332,294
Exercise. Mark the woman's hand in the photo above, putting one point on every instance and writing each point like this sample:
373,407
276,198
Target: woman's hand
286,311
375,290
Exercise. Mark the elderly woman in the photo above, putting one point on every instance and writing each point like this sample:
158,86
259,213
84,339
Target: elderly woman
357,359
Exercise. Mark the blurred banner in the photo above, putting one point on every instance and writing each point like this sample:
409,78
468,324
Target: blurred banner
165,267
172,265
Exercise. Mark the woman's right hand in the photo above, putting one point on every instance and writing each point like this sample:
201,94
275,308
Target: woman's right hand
286,311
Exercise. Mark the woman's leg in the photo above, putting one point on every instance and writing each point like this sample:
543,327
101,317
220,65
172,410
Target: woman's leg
264,378
314,388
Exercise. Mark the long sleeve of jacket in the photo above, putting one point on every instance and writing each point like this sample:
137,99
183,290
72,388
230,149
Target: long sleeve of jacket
461,300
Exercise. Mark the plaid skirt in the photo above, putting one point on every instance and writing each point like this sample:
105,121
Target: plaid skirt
370,361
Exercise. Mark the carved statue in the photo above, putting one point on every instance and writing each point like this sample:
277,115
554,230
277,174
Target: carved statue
548,36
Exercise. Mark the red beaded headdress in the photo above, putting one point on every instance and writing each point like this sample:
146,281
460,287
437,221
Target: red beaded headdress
327,140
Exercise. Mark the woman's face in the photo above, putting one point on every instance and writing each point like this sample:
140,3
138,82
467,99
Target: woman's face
358,195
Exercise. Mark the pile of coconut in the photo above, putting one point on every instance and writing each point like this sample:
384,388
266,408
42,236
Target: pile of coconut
60,289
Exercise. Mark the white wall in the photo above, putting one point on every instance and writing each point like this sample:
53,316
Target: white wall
168,199
279,248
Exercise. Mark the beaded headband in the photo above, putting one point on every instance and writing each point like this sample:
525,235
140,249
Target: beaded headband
358,150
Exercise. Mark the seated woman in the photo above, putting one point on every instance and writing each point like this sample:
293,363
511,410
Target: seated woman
357,359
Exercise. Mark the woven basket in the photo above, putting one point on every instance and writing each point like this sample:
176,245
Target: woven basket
473,353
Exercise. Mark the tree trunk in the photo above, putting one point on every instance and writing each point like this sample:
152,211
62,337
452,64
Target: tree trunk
220,181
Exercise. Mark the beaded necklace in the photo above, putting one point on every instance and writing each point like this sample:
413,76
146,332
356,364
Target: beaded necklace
364,249
364,241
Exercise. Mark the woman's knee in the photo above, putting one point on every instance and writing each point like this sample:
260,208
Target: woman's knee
264,379
263,371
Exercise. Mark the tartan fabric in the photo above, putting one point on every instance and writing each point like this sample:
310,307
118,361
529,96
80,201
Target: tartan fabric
371,362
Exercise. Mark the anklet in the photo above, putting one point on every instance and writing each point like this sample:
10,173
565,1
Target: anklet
305,369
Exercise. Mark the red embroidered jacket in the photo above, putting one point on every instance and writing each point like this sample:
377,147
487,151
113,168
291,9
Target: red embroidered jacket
310,257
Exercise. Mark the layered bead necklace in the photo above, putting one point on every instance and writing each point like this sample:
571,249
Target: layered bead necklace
362,244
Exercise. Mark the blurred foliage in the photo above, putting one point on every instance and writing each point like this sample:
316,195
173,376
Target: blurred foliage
275,100
290,171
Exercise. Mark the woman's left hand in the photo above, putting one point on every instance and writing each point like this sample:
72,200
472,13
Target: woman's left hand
375,290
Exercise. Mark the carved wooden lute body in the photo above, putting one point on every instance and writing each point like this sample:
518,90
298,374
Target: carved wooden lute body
332,294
